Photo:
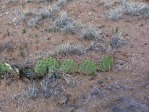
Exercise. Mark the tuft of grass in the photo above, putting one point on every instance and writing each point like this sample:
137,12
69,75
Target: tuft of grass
39,1
137,9
68,48
111,3
106,64
44,13
35,16
116,39
65,24
34,21
88,67
11,1
116,13
91,33
126,7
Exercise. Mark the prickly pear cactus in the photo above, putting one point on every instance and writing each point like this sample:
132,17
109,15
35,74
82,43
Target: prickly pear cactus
5,68
106,64
88,67
68,66
46,65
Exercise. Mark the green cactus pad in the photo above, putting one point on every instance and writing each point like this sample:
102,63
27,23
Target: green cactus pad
5,68
106,64
88,67
68,66
45,65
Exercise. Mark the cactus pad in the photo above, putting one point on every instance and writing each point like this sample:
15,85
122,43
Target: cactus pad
5,68
68,66
106,64
45,65
88,67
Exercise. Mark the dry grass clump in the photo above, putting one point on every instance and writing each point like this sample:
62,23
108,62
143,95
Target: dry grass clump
33,17
125,7
116,13
91,33
68,48
111,3
65,24
137,9
10,1
40,0
117,39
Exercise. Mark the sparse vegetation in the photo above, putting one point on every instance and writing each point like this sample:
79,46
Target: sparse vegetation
65,56
125,7
116,39
65,24
91,33
116,13
68,48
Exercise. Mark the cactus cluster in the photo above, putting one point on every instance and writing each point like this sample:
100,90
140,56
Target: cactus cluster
70,66
51,65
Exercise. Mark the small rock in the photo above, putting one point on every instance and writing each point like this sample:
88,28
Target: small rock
62,99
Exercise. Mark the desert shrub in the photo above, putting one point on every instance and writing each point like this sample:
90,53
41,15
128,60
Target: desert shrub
44,66
33,21
68,48
5,68
40,1
116,42
65,24
106,64
68,66
91,33
88,67
116,13
116,39
137,9
126,7
34,17
111,3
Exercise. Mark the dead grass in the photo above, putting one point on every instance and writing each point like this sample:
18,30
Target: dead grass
125,7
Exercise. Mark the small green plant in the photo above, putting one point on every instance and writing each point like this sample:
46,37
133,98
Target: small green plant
5,68
106,64
68,66
88,67
46,65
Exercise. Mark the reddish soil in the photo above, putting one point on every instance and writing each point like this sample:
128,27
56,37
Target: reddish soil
128,82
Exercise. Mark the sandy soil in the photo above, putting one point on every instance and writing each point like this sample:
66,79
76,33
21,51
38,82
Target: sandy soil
124,89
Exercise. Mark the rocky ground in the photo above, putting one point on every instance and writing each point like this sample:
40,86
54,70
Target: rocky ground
35,29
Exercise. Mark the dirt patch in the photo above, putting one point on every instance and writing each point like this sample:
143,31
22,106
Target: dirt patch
124,89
